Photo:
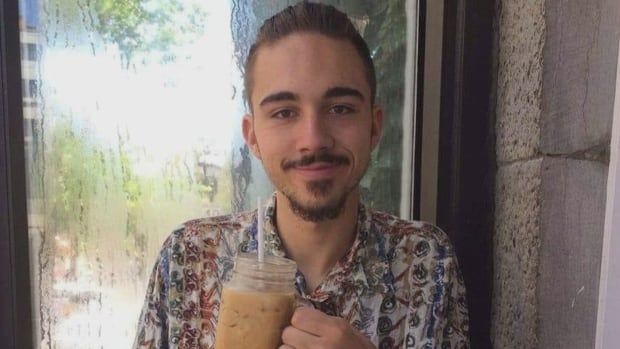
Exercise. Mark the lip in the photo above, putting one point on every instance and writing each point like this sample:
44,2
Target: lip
317,170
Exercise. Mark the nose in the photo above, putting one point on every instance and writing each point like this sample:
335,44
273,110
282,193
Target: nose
314,133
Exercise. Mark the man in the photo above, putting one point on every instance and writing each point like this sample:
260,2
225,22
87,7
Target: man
373,280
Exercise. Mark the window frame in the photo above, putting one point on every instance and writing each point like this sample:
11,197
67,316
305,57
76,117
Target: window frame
16,313
15,305
466,158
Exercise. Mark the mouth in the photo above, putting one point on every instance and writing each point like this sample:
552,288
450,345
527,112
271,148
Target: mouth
318,166
317,170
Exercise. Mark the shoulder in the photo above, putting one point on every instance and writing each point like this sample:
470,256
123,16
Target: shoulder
421,254
196,237
417,237
211,227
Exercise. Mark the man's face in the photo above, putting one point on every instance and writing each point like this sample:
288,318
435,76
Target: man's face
313,126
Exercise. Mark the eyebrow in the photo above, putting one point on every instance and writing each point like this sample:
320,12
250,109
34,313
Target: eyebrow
279,96
332,92
340,91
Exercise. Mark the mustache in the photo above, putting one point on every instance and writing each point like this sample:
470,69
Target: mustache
322,156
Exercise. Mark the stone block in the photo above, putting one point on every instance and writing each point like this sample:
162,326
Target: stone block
515,255
579,75
520,41
572,224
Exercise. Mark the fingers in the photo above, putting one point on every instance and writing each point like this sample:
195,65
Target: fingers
311,321
312,329
297,339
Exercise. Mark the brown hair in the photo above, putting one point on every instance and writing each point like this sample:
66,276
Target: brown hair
314,18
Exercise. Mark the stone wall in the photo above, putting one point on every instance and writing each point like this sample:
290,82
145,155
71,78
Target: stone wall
555,93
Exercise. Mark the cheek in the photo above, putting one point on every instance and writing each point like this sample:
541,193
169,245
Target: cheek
356,141
272,147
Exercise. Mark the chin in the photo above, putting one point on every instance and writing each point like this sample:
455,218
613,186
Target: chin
317,212
317,202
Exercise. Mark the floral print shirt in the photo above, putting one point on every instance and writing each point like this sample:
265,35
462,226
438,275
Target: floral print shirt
399,284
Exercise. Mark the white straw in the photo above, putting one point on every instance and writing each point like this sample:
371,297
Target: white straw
261,233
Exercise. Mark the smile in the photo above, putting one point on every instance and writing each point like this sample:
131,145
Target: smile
317,170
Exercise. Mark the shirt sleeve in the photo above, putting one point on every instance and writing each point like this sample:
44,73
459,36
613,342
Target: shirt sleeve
438,316
152,330
453,327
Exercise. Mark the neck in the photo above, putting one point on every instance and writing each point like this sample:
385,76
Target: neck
317,246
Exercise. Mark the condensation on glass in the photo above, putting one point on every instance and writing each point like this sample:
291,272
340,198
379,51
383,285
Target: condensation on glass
132,116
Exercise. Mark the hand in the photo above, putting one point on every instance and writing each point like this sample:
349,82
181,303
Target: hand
311,329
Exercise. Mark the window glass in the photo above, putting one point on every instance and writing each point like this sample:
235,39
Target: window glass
132,115
31,52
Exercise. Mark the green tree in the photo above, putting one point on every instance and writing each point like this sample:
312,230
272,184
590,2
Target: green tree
73,173
386,35
149,25
134,26
74,170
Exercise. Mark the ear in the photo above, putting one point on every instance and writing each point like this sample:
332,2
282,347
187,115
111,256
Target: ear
247,125
377,126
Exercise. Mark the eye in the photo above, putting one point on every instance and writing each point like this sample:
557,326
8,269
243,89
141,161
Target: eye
284,114
341,109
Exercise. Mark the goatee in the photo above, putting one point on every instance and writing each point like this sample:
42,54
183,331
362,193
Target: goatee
316,214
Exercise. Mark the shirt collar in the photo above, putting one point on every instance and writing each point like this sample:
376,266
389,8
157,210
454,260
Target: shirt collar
273,243
365,268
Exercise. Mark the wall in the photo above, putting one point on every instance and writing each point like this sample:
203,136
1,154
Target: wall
608,317
555,92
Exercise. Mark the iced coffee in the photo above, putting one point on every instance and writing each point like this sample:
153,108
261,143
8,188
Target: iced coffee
257,303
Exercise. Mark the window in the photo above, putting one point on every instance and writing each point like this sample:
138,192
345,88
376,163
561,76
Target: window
29,89
136,129
29,51
32,88
25,91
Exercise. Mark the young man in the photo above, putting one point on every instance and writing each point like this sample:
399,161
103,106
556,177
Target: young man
373,280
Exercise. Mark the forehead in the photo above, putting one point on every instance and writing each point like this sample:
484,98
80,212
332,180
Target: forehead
307,64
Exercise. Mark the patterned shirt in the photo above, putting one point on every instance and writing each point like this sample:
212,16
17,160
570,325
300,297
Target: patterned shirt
399,284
